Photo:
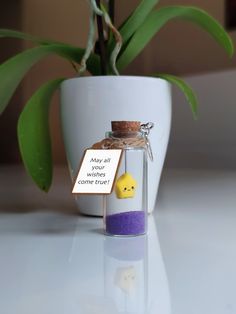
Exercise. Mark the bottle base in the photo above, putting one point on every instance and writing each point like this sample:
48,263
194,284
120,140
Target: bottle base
131,223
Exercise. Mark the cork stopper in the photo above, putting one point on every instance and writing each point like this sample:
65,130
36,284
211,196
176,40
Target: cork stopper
125,126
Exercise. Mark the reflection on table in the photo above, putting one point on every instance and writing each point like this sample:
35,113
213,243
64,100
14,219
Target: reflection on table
126,276
64,265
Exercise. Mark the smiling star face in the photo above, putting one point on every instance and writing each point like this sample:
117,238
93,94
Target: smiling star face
125,186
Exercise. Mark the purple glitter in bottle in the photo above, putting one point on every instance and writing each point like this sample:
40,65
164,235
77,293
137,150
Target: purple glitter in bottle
127,223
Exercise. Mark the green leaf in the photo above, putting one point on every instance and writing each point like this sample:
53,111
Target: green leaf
185,88
34,137
137,18
14,69
134,21
9,33
159,18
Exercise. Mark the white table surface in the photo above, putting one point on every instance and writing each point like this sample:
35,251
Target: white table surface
53,261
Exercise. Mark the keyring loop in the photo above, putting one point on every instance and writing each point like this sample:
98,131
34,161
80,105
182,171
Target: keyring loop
145,129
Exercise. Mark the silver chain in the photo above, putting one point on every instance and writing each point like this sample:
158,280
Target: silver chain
145,129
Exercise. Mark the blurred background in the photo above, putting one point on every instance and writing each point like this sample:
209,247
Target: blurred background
180,49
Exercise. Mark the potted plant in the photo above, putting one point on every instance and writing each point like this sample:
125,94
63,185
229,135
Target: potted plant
89,103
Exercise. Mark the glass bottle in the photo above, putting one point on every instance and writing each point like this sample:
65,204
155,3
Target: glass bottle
125,209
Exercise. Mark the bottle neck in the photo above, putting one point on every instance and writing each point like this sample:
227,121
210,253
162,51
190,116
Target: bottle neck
124,134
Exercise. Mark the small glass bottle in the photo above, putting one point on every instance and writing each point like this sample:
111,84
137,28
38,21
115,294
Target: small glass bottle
125,209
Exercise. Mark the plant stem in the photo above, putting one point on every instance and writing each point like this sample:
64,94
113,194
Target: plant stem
101,40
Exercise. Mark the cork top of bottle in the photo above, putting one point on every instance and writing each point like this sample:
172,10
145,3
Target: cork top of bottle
125,126
124,134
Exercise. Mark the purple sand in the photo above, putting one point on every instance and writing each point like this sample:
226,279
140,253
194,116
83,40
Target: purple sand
128,223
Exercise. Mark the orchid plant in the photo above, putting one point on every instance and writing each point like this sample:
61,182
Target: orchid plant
109,54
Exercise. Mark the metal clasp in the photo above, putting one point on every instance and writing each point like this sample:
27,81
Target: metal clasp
145,129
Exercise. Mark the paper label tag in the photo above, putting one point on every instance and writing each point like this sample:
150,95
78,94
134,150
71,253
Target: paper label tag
97,171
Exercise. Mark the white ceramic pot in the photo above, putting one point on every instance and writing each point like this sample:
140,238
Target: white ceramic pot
89,104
